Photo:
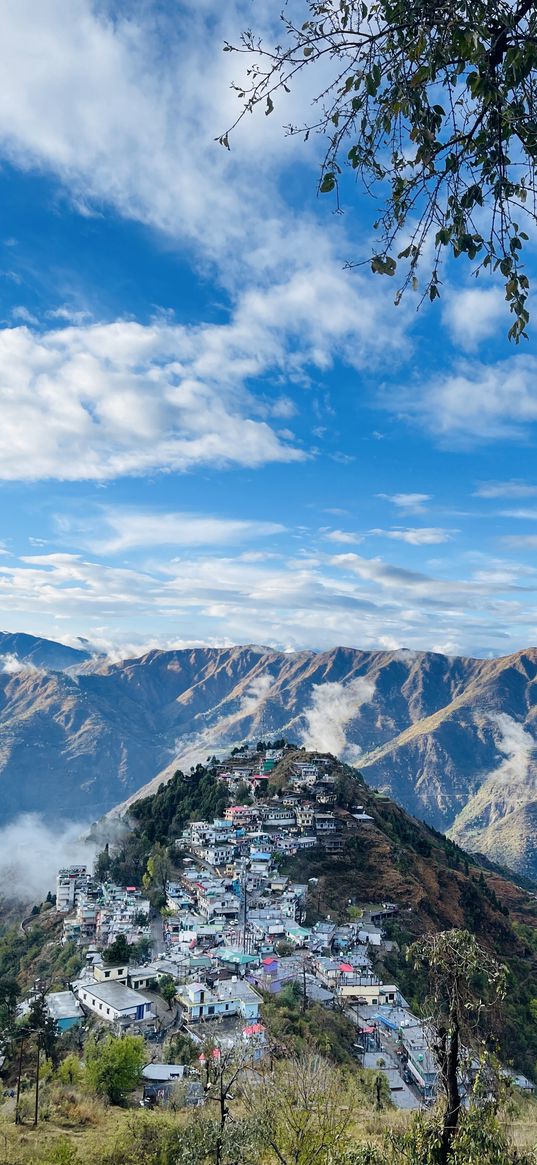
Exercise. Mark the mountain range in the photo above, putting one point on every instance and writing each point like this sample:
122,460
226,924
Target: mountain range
452,739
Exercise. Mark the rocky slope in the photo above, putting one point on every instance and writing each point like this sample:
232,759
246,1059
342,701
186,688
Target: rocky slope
452,739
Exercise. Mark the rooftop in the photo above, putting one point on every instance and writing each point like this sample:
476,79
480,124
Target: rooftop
115,994
63,1005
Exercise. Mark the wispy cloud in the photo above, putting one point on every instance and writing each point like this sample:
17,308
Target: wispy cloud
408,503
342,536
505,489
520,541
416,536
129,528
474,402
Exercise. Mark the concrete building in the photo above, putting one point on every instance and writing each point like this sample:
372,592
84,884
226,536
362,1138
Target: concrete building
64,1008
114,1002
70,882
230,997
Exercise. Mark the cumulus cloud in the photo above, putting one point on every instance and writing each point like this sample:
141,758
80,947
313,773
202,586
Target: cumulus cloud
31,853
333,706
474,401
472,314
102,401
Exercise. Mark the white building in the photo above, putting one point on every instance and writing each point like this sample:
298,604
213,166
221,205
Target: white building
70,882
115,1002
230,997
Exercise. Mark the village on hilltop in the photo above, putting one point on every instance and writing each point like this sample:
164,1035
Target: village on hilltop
233,933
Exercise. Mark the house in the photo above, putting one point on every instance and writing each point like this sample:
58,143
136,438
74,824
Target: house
370,934
254,1038
260,862
332,844
104,974
277,816
306,842
370,993
325,823
160,1079
114,1002
217,855
63,1007
230,997
305,816
420,1062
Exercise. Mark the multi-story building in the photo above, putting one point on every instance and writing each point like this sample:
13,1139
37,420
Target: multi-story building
70,882
230,997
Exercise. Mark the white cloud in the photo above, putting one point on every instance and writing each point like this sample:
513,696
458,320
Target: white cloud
473,314
21,313
333,706
520,541
131,528
32,852
408,503
523,514
476,402
342,536
11,665
222,598
505,489
118,399
420,536
255,694
98,401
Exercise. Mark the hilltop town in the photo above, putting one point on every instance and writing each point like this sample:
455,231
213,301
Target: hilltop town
220,930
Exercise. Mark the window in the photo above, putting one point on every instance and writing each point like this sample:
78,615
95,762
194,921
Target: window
108,1011
107,974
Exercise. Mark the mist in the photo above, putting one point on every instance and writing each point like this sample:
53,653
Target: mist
11,665
517,746
332,708
31,852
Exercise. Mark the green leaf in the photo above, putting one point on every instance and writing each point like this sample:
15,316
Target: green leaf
328,184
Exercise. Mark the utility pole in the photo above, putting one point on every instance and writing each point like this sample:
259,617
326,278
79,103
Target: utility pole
19,1074
36,1113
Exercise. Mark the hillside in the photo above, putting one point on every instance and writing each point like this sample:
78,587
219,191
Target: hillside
434,884
451,739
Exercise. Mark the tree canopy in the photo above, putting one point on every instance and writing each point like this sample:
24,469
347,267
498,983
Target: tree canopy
431,106
113,1066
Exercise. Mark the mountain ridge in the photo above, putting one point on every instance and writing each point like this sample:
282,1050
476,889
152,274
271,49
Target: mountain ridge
452,739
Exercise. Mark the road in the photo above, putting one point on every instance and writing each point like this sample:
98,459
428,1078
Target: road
157,934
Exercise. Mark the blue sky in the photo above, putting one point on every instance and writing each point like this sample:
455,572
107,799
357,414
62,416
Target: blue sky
211,431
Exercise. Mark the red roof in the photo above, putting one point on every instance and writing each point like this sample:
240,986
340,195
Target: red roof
254,1029
346,967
